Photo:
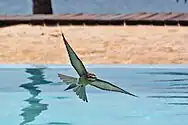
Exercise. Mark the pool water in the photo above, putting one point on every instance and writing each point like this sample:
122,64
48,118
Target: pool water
34,95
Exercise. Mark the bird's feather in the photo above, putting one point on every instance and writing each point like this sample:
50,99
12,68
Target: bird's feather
104,85
71,86
68,79
81,92
75,61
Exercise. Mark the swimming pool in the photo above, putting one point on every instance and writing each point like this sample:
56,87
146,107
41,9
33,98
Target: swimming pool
34,95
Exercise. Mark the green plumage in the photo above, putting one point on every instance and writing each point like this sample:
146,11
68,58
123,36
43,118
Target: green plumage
79,84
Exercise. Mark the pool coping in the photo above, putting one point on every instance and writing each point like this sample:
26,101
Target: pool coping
139,18
95,66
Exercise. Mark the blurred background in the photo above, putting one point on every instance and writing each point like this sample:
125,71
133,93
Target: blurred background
96,6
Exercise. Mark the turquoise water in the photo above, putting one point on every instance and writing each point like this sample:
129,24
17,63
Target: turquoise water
34,95
96,6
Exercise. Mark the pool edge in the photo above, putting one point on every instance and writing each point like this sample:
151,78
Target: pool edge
95,65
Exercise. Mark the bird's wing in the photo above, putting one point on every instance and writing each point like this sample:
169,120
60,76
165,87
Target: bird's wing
68,79
104,85
75,61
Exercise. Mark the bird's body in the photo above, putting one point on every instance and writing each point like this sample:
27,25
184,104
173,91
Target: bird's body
85,78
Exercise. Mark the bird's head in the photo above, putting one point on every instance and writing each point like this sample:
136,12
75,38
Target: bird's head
91,77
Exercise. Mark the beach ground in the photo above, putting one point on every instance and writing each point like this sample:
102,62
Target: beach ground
95,44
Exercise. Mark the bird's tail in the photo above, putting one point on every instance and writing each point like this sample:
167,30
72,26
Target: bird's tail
81,92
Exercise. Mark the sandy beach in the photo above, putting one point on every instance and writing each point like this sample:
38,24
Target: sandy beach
95,44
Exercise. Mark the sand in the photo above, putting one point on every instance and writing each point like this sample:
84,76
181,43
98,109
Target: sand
95,44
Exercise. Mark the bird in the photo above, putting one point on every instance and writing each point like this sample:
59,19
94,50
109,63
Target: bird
78,85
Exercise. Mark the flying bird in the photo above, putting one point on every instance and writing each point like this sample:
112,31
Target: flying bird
85,78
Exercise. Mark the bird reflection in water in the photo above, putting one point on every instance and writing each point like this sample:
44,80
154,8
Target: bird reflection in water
35,107
185,1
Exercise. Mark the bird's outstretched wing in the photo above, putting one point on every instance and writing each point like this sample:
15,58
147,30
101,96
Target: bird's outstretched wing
104,85
68,79
75,61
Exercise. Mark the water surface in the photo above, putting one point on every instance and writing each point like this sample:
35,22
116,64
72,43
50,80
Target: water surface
31,95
